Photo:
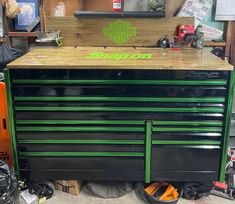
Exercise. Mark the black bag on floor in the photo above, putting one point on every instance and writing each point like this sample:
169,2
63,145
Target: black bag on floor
8,186
8,54
195,191
109,189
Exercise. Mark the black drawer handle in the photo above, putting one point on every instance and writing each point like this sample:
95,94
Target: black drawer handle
4,123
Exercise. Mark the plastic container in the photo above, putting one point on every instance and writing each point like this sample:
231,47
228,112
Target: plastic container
117,5
152,200
5,140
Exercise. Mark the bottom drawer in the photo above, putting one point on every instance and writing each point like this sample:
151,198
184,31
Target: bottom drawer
85,175
85,168
185,162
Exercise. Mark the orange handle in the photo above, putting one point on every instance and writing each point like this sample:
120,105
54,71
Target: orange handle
168,192
3,112
153,188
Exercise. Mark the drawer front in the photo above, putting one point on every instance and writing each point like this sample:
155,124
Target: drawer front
85,168
92,146
118,95
187,130
104,115
198,162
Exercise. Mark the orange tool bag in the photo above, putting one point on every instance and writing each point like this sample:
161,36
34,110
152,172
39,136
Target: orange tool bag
5,140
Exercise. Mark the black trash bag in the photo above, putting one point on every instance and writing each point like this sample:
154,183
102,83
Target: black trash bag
8,54
197,190
109,189
139,191
9,193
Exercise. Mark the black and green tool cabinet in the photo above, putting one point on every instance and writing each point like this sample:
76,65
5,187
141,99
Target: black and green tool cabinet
120,124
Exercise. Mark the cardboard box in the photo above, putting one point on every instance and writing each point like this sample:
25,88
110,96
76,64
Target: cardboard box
68,186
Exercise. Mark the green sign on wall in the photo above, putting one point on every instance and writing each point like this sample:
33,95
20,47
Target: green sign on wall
119,31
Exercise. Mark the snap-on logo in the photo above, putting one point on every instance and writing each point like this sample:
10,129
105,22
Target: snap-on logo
119,56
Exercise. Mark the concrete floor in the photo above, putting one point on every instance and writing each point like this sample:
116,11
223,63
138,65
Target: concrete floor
131,198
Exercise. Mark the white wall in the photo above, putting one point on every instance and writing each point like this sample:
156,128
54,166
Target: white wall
1,21
135,5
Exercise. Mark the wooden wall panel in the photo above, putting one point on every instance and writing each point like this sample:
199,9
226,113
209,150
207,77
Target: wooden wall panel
97,5
70,6
73,5
173,6
89,32
233,44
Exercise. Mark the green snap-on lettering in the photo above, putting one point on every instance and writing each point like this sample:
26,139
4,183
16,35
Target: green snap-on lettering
118,56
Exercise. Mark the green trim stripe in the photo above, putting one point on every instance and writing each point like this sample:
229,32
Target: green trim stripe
178,142
148,151
80,122
227,126
202,129
122,109
119,142
123,99
81,154
11,122
118,122
189,123
81,129
119,82
115,129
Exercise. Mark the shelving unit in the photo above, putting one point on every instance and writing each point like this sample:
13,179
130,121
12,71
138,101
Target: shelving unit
126,14
215,44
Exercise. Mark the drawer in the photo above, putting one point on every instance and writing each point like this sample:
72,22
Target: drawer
93,91
86,168
117,74
58,146
187,130
185,162
81,136
83,163
100,115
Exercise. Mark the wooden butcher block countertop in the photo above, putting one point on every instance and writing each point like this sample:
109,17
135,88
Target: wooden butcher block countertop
120,58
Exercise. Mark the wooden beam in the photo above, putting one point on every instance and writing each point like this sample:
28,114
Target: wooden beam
233,44
22,34
214,44
228,39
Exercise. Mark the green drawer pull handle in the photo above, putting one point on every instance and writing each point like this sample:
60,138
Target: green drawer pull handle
134,82
119,122
123,109
81,154
159,129
119,142
80,122
81,129
124,99
178,142
188,123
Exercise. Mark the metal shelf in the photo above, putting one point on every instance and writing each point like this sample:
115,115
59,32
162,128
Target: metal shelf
124,14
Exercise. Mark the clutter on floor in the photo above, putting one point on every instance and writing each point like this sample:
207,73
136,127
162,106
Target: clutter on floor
116,98
8,185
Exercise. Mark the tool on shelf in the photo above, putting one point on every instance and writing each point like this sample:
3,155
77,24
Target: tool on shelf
50,37
185,33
